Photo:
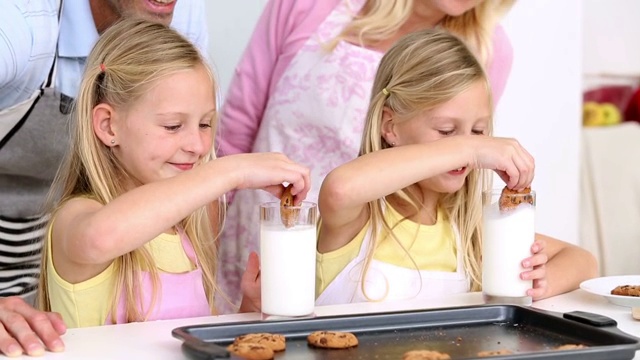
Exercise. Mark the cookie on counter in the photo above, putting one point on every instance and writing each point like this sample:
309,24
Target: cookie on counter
251,351
332,339
275,342
425,355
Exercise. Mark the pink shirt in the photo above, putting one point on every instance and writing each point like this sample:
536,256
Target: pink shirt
283,28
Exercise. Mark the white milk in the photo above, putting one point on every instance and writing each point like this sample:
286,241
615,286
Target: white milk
288,269
507,241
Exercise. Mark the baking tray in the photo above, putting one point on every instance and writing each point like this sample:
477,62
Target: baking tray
461,332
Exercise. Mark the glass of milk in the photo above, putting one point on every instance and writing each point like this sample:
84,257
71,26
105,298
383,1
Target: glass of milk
288,261
507,238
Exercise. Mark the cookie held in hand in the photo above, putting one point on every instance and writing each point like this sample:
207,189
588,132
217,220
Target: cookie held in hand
510,199
288,213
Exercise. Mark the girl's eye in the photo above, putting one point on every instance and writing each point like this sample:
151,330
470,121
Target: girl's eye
445,132
205,125
477,132
172,127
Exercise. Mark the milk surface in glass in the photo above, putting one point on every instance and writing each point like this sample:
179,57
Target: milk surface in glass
288,266
507,241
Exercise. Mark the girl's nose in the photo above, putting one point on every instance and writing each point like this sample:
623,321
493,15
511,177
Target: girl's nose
197,142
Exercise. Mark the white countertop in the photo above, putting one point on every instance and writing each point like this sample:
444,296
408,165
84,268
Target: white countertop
153,340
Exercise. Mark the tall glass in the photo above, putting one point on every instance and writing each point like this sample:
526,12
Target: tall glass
288,260
508,233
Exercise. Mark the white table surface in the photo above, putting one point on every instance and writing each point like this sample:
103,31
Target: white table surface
153,340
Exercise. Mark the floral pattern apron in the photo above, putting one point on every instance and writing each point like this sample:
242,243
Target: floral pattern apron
316,117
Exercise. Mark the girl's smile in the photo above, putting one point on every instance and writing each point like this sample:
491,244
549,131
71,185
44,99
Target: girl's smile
183,166
457,172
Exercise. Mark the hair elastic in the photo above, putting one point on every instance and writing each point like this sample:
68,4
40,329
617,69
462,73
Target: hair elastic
103,68
385,91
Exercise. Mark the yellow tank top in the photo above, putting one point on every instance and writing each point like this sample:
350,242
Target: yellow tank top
88,303
425,247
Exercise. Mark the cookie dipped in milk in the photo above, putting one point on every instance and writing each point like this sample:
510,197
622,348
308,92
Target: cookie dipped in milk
508,233
288,258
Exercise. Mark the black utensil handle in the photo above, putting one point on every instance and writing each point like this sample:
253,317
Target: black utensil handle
590,318
201,350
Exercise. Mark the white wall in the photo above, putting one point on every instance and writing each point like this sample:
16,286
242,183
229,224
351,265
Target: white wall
230,26
540,107
611,28
611,54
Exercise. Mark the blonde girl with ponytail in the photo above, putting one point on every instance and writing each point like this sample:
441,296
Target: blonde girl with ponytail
132,234
403,219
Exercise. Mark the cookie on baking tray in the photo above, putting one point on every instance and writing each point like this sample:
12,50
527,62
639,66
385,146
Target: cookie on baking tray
251,351
494,353
626,290
275,342
570,347
332,339
425,355
509,202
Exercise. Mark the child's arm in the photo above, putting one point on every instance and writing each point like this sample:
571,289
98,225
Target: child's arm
347,189
558,267
87,236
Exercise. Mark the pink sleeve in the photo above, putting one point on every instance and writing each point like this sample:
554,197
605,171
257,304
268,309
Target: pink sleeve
500,65
283,28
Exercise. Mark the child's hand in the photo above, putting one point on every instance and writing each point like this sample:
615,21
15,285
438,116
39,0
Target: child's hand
539,273
250,285
268,171
507,158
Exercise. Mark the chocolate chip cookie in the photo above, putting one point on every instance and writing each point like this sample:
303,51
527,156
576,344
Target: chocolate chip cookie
494,353
275,342
510,199
626,290
251,351
288,213
332,339
425,355
570,347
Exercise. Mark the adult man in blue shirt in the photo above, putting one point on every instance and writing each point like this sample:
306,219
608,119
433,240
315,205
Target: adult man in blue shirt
34,134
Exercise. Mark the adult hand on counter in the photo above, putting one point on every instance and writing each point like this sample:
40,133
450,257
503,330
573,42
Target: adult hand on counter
24,329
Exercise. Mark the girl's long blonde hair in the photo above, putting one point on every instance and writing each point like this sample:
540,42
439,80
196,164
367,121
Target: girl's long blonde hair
381,19
420,72
127,59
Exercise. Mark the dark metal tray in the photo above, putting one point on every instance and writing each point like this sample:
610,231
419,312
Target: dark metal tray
461,332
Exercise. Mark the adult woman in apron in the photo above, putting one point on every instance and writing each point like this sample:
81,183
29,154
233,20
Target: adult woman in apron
294,93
